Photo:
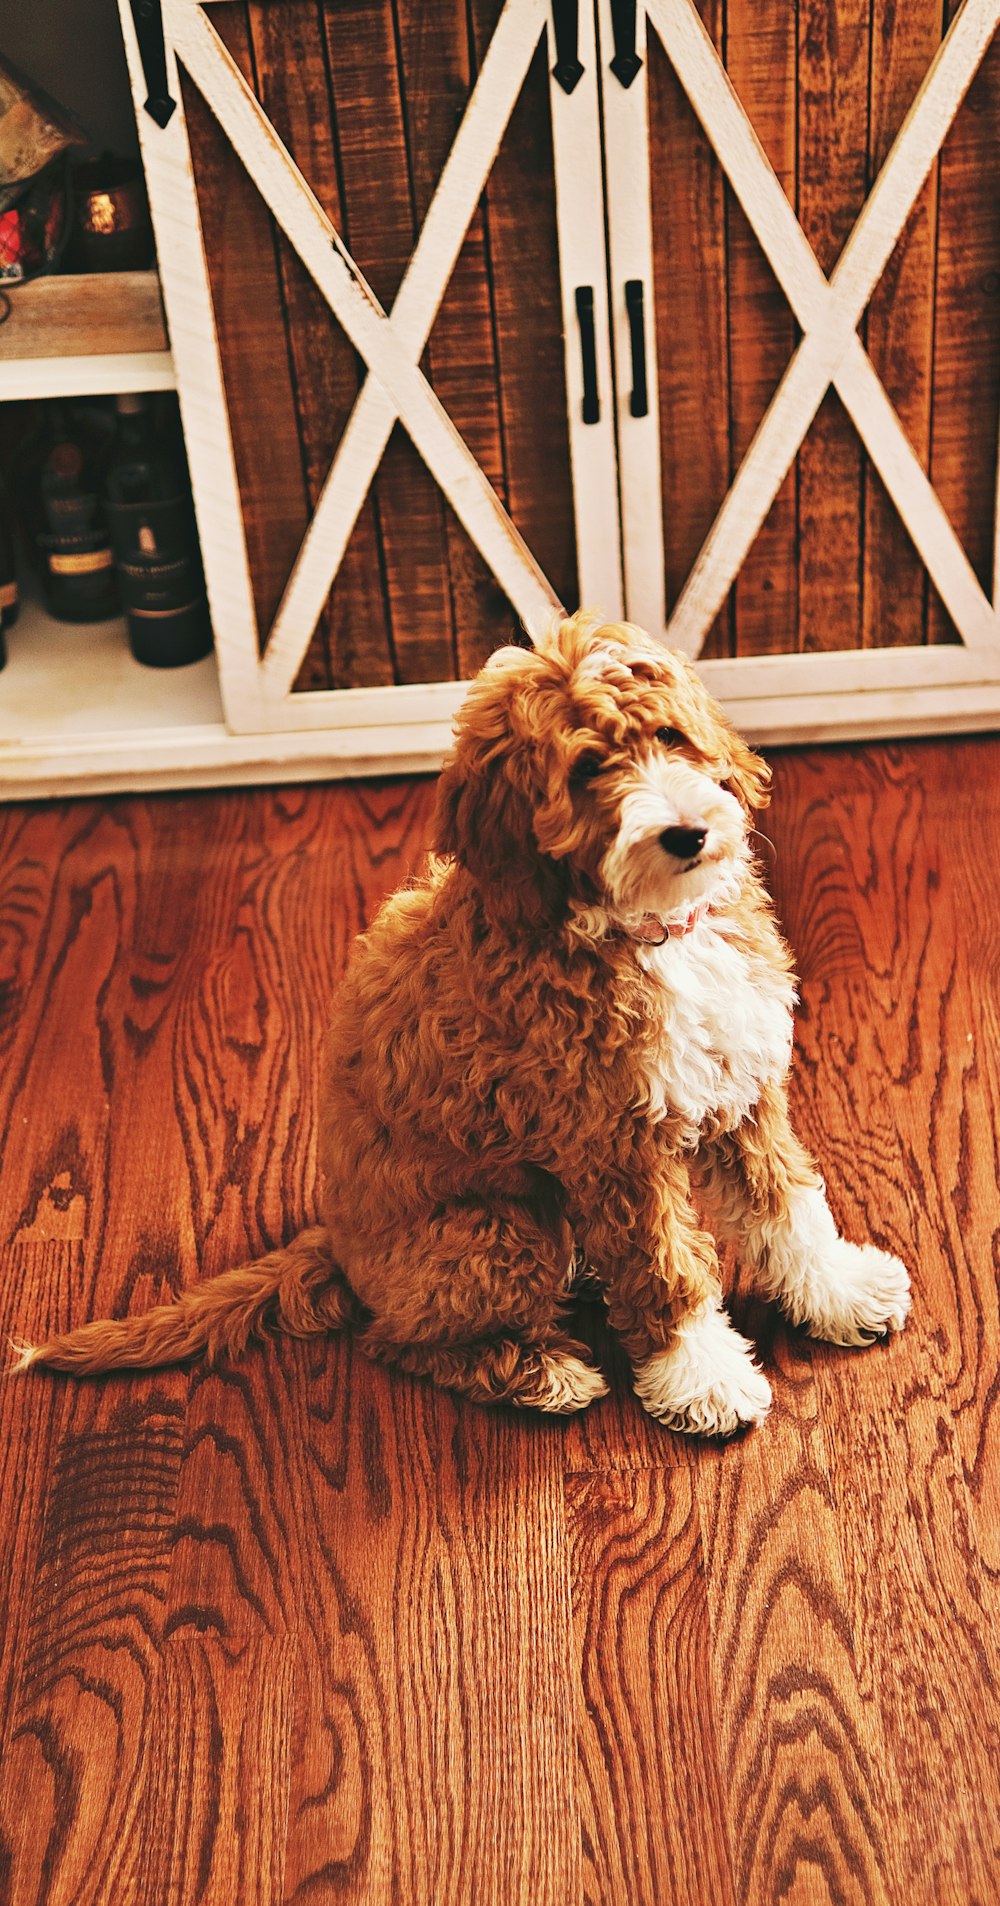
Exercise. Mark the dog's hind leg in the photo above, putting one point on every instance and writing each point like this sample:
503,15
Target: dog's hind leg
553,1378
762,1189
474,1299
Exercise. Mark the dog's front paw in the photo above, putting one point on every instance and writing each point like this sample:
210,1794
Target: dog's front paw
566,1384
706,1382
858,1295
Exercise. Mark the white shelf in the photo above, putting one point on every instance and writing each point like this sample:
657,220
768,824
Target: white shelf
78,715
103,376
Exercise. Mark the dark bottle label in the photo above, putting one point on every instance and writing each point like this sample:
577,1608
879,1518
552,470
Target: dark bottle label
160,578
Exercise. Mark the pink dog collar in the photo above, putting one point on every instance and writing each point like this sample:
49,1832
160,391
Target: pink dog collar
652,931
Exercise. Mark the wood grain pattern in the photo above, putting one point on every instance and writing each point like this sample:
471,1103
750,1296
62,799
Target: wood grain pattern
647,1724
379,226
761,59
298,1629
86,314
437,76
524,275
832,181
689,261
966,342
899,326
240,250
351,647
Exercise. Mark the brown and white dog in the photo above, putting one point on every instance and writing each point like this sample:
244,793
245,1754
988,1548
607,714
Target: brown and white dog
576,1024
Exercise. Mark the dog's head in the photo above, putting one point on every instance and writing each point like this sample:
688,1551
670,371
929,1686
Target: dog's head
596,769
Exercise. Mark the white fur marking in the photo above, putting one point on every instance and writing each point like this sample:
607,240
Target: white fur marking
571,1385
726,1028
706,1382
845,1293
26,1354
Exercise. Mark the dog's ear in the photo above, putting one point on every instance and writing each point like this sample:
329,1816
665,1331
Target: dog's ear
749,776
726,753
486,813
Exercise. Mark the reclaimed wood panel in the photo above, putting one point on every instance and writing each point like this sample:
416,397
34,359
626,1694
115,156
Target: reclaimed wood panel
899,326
832,160
762,59
520,224
379,227
239,240
966,401
351,647
437,77
689,266
368,95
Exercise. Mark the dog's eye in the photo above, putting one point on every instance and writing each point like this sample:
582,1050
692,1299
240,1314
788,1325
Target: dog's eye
587,767
671,737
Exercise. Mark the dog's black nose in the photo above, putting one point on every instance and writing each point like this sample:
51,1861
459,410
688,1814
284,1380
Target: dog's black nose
683,842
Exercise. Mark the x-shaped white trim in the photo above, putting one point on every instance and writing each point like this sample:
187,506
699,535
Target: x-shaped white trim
829,311
391,345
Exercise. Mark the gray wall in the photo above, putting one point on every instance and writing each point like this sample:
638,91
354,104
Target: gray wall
74,49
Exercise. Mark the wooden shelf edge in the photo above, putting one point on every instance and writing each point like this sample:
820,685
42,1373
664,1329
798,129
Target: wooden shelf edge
88,314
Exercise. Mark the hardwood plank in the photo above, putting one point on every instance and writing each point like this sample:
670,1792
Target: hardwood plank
60,915
351,647
36,1282
437,79
380,1615
963,461
77,1746
803,1760
654,1823
689,262
892,971
520,228
761,59
832,182
437,1758
380,229
899,326
217,1839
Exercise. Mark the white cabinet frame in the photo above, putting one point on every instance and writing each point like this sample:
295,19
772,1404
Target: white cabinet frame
257,693
615,461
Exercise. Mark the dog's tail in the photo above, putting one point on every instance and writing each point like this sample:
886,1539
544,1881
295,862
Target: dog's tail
298,1289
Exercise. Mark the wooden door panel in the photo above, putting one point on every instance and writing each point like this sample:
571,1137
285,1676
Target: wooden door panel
899,327
762,60
966,379
689,277
366,97
829,565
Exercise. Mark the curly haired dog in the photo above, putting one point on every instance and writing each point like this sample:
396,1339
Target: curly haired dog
576,1023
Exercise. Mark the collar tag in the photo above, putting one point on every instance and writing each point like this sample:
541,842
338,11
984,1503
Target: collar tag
652,931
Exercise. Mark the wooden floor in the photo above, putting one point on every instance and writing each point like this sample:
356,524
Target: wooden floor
300,1630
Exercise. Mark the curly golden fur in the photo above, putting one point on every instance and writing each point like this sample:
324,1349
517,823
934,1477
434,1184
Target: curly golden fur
580,1011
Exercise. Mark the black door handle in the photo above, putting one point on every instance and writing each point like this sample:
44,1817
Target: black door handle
588,353
149,32
635,306
626,62
566,22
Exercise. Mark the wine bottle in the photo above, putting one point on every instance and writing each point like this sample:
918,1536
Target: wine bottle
157,558
9,601
72,536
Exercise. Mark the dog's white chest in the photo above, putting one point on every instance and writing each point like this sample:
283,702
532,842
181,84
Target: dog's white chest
726,1029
